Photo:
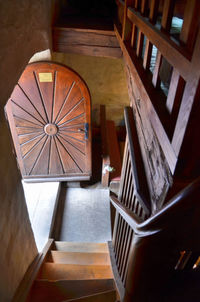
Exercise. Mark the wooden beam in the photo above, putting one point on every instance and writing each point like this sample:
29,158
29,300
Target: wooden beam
88,42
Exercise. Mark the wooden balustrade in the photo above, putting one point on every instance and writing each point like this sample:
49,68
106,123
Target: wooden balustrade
133,195
149,247
169,114
148,252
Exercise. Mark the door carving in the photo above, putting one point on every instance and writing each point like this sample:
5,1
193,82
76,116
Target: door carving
49,117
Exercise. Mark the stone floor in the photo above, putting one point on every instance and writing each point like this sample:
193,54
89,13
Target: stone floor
83,212
86,215
41,201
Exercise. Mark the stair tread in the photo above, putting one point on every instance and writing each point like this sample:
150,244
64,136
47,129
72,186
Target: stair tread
79,258
108,296
57,271
88,247
56,291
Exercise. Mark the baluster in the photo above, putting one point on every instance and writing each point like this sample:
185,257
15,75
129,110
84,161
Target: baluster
144,7
156,77
168,10
134,35
124,28
148,47
140,43
190,23
125,266
123,246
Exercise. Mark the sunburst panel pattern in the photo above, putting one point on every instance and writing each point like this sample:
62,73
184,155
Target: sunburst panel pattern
50,117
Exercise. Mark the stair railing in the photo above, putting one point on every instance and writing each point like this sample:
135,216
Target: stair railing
133,194
148,249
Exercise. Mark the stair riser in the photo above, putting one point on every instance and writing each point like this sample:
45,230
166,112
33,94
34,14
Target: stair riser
54,271
79,258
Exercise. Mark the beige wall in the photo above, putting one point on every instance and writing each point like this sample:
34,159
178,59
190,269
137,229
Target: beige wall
24,30
106,80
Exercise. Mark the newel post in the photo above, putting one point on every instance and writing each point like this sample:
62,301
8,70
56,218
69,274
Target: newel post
145,269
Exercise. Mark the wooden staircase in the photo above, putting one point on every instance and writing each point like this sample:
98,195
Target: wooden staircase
75,272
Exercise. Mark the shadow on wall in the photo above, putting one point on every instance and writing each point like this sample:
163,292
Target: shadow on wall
106,81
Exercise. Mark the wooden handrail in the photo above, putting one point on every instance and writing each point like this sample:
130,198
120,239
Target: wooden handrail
138,172
185,199
132,219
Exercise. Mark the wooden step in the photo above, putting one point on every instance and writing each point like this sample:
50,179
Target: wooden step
79,258
57,291
81,247
56,271
108,296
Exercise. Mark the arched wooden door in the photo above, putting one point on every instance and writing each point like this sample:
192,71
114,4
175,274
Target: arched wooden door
49,117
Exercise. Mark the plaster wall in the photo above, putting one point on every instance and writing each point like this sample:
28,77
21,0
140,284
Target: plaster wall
24,30
106,80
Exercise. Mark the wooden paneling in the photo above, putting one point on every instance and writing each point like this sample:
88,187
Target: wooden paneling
89,42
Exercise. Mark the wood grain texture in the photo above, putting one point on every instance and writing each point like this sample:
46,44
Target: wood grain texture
147,93
55,271
147,54
190,93
156,166
156,77
81,247
113,149
26,283
79,258
174,54
61,290
47,119
153,13
109,296
137,166
104,147
88,42
190,23
167,15
140,42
